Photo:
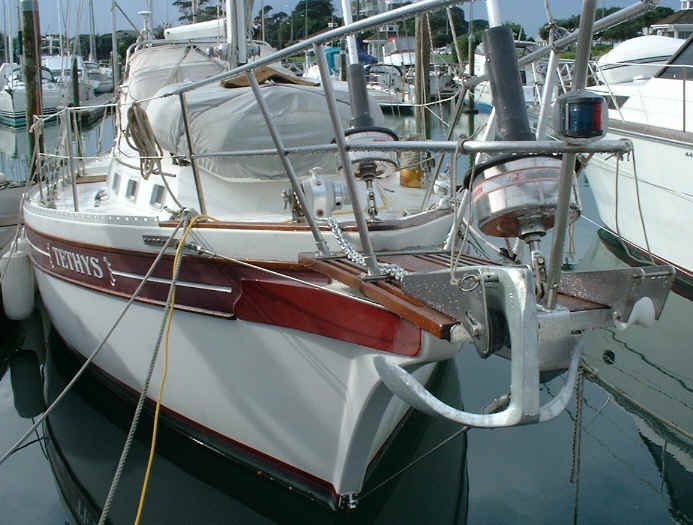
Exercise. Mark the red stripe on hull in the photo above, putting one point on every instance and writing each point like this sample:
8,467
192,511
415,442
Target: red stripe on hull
213,286
289,304
683,281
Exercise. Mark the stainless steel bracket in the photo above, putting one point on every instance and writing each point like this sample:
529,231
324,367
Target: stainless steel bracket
516,287
465,302
621,289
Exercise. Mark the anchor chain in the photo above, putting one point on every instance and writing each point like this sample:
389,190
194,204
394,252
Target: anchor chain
391,270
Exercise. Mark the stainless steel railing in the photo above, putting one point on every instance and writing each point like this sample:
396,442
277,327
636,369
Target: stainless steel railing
340,146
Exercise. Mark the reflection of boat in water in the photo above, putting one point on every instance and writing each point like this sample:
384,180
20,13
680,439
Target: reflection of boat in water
193,483
653,367
650,374
674,460
14,142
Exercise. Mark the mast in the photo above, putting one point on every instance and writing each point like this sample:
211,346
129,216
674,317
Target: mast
4,31
241,32
421,86
114,52
10,34
236,32
351,39
92,37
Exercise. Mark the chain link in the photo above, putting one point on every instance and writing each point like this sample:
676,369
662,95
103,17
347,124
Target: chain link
392,270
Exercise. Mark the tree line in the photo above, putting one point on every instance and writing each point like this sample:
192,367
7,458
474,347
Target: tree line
314,16
623,31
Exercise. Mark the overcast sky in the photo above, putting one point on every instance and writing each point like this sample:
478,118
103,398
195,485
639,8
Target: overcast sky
529,13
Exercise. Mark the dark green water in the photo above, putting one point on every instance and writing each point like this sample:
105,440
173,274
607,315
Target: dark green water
635,466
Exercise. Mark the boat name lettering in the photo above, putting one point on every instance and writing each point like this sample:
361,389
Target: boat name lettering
76,262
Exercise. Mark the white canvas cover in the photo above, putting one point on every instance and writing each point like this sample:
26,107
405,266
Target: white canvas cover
230,120
152,68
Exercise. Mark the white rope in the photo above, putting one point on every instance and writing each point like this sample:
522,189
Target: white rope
96,351
115,482
642,220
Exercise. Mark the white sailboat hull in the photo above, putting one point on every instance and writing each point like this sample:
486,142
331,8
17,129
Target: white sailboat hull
13,104
256,371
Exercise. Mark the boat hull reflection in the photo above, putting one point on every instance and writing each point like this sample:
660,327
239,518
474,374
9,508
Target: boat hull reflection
192,483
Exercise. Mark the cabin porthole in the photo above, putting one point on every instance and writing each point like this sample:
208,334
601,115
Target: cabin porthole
157,198
115,186
131,190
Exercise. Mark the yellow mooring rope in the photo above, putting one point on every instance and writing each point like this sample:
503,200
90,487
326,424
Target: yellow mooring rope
152,448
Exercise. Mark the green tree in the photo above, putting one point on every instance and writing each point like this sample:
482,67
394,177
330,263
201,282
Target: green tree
519,32
319,12
463,43
440,26
204,10
622,31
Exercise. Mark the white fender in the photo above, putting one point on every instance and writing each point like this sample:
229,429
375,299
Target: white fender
18,282
643,314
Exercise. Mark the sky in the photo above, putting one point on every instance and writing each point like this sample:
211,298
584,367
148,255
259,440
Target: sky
529,13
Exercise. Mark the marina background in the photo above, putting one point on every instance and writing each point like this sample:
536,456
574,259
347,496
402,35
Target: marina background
634,468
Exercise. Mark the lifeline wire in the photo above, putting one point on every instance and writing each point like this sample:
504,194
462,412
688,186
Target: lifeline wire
496,405
95,352
140,403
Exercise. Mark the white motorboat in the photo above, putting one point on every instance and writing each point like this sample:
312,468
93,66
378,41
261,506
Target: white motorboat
649,200
302,363
636,58
13,96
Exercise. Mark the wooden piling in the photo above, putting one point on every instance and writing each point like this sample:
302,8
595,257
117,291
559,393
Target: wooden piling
31,63
75,82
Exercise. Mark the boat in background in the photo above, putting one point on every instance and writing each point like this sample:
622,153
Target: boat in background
530,75
100,78
400,51
647,198
635,58
61,68
13,95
